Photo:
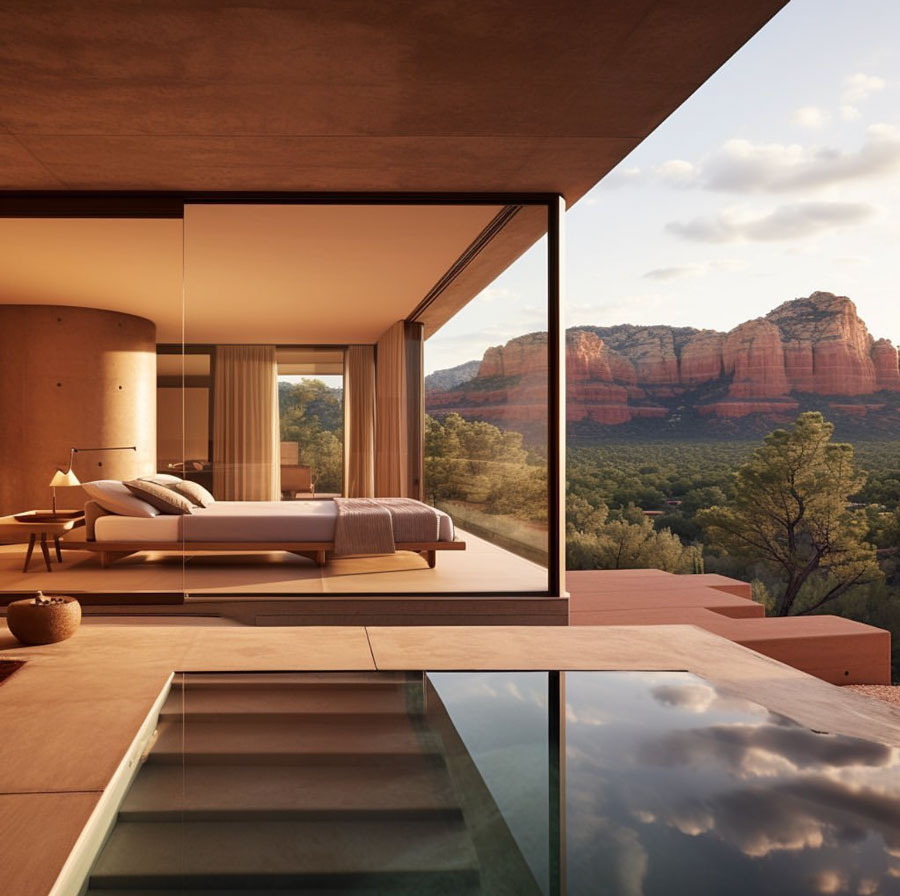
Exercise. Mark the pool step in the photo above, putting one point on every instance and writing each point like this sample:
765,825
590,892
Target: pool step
291,785
208,699
302,735
369,887
164,791
434,854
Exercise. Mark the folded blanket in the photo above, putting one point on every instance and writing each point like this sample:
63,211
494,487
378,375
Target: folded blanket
413,520
363,526
373,525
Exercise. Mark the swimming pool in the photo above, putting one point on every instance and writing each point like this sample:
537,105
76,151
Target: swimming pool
497,782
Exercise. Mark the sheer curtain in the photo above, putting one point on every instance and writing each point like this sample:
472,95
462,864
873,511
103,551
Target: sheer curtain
391,418
245,424
359,421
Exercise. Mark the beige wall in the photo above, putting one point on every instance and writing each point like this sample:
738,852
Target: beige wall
73,377
180,410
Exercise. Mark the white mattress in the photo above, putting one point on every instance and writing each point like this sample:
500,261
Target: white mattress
237,521
138,528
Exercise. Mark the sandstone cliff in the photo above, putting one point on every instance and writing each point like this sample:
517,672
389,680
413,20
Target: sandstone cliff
807,347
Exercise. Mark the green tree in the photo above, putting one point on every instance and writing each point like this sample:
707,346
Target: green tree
627,541
478,463
311,414
790,512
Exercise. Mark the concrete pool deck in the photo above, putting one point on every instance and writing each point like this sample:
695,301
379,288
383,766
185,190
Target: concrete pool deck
68,717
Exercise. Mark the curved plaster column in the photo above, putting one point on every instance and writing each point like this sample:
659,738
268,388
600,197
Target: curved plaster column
73,377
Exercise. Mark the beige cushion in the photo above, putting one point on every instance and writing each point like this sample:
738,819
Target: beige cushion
114,497
160,496
161,479
193,491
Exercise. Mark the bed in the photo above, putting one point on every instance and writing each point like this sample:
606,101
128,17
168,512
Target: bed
305,528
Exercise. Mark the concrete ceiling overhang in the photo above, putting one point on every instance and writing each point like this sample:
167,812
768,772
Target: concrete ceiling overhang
501,95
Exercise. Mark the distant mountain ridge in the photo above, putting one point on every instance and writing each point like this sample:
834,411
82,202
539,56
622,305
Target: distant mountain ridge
812,351
441,380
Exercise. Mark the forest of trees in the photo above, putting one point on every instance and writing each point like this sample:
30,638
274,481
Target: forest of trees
813,524
312,415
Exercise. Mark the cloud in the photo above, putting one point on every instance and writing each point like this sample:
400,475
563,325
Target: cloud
695,269
693,698
811,117
860,86
787,222
850,113
676,172
741,166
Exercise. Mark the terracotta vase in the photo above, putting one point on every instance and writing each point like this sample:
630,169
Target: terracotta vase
43,623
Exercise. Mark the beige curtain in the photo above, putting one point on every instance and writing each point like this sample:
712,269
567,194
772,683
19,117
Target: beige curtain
245,424
390,414
359,421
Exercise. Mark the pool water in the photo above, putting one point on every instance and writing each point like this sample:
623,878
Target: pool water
497,783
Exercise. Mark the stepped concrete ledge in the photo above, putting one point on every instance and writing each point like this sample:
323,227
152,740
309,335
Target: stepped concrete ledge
832,648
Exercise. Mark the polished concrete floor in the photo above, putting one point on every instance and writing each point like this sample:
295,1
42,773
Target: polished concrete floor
481,568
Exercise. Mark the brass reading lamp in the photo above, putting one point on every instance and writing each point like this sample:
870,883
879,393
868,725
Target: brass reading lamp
61,478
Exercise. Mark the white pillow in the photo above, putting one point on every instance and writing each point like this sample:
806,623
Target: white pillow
114,497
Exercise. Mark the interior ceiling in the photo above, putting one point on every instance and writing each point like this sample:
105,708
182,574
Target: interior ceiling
502,95
262,274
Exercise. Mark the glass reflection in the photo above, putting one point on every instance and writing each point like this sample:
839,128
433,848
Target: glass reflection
677,787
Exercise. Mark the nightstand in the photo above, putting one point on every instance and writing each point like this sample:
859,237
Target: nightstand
39,524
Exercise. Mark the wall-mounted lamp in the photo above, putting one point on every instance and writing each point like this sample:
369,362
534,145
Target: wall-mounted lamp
68,477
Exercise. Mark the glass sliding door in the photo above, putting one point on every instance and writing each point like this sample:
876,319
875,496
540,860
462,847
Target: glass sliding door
318,320
488,423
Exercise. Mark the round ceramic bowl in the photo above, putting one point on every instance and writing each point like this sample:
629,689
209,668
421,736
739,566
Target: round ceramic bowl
44,623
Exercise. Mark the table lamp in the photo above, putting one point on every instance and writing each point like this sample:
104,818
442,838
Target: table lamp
59,479
68,477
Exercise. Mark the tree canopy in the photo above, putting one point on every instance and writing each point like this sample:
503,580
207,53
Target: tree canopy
312,415
790,510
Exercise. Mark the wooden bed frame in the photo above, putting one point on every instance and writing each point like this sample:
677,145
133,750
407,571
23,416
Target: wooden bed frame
110,551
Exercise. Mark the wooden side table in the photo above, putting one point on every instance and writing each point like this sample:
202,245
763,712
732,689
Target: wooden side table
44,526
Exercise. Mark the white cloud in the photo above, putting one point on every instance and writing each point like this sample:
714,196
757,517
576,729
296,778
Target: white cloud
695,269
859,86
677,172
744,167
811,117
786,222
849,112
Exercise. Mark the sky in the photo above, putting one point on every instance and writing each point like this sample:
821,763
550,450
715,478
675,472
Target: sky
780,176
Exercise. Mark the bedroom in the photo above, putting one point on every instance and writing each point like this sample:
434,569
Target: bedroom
170,339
